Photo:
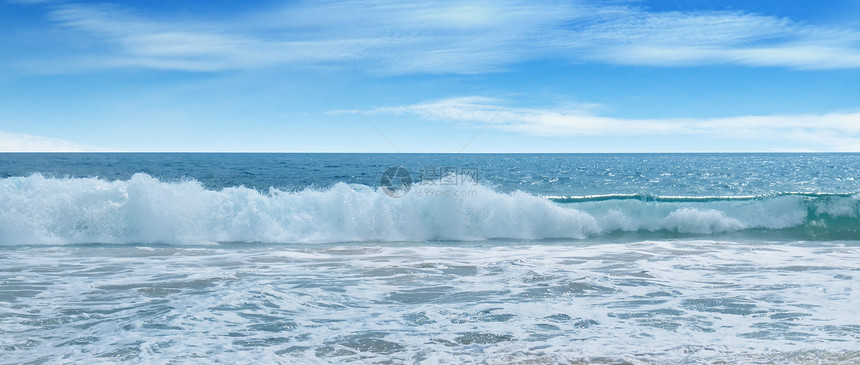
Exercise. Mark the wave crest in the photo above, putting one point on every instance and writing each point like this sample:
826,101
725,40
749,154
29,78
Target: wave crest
37,210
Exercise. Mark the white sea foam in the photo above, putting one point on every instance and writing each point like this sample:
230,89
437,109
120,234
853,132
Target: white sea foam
39,210
649,302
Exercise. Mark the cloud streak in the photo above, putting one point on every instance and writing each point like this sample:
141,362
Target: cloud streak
821,132
14,142
455,37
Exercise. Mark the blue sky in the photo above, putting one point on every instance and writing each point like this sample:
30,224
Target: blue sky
389,76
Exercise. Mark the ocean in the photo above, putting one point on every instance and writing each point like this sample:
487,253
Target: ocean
430,258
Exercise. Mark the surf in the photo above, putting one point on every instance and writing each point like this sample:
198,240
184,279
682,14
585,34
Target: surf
37,209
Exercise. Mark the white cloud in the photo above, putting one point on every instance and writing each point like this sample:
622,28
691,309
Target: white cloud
396,37
140,42
13,142
825,132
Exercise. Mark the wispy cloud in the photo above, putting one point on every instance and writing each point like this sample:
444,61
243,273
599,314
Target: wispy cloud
825,132
13,142
460,37
135,41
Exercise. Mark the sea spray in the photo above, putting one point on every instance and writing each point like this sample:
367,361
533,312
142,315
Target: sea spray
46,210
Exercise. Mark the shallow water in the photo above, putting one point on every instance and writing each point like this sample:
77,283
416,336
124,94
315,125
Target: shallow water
452,302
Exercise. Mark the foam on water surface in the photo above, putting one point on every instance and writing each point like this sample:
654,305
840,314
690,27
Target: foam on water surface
502,302
41,210
663,258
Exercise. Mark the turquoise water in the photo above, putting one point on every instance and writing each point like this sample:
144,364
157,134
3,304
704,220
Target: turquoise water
304,258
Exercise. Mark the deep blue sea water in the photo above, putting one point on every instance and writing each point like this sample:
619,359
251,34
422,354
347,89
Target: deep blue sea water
483,258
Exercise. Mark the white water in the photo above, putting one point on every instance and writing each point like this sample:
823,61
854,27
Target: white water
640,302
40,210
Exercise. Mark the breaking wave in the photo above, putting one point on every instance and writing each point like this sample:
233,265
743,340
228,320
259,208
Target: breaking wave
44,210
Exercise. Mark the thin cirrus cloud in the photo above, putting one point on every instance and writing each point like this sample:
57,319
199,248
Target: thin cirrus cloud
823,132
15,142
134,41
455,37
